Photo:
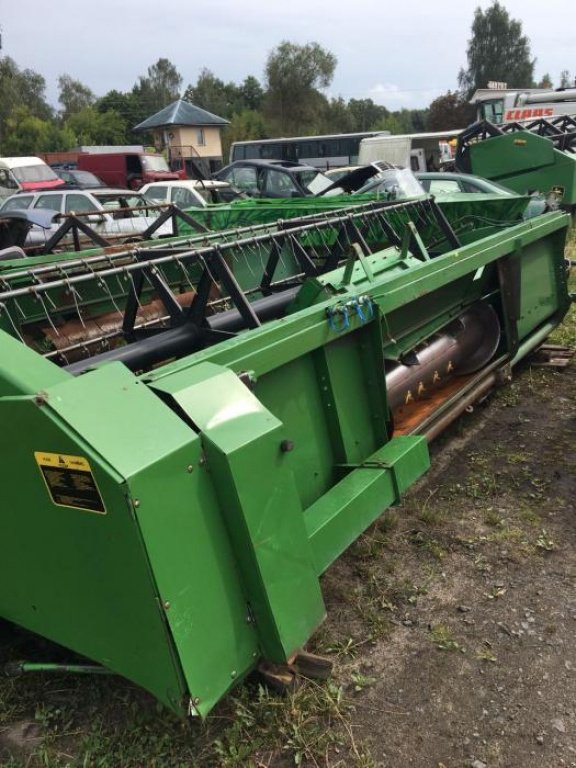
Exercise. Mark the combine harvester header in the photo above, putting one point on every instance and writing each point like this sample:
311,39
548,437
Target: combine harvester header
536,156
170,502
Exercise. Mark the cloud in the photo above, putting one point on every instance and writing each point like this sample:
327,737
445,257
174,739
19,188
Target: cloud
394,97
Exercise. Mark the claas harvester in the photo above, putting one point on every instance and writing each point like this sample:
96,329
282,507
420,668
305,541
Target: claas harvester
175,480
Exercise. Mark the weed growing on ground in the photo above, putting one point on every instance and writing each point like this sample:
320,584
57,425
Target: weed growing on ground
443,638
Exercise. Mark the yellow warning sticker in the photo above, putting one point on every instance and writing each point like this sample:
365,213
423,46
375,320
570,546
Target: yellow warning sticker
70,481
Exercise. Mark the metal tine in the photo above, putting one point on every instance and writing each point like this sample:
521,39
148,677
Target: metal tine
184,272
48,317
4,309
210,275
108,259
66,280
63,355
52,303
104,285
75,295
281,251
317,237
160,270
366,228
134,291
236,259
19,308
262,264
247,257
363,242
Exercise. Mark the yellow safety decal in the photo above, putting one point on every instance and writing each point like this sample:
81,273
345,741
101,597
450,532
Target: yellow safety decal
70,481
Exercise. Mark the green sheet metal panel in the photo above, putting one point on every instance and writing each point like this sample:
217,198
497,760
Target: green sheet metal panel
543,288
511,153
23,371
258,500
75,576
525,162
292,394
181,572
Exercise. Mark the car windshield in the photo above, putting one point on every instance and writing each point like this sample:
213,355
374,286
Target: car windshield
114,201
16,203
204,193
486,186
394,184
82,178
35,173
157,193
155,163
314,181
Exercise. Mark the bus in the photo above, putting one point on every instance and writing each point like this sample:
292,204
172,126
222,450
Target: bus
328,151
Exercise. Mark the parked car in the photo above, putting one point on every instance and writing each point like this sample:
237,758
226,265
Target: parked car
393,183
283,178
445,183
79,179
115,214
274,178
335,174
189,193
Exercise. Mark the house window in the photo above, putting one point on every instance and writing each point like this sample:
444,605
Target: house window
200,138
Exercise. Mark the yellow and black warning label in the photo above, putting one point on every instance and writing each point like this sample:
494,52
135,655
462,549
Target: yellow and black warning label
70,481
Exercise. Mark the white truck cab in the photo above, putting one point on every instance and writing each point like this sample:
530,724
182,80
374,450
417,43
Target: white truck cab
26,173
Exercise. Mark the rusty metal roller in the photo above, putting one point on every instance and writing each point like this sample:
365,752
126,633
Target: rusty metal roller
464,346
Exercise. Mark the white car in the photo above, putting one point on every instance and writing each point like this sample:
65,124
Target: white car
115,214
187,193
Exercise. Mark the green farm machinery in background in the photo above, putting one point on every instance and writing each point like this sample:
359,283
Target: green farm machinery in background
537,156
174,488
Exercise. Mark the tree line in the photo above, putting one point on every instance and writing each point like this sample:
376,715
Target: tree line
289,101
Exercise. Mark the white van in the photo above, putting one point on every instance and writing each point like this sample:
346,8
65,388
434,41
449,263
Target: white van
26,173
417,151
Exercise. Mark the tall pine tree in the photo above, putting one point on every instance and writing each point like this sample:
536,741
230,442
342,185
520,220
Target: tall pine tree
496,51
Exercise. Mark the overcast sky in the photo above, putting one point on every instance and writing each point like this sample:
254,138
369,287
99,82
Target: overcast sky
400,54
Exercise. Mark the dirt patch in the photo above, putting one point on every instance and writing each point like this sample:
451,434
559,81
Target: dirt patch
480,668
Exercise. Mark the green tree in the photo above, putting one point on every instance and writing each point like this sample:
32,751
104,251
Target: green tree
26,134
449,111
74,95
214,95
336,117
251,94
545,82
89,126
565,79
20,88
245,125
497,51
159,88
367,115
294,75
